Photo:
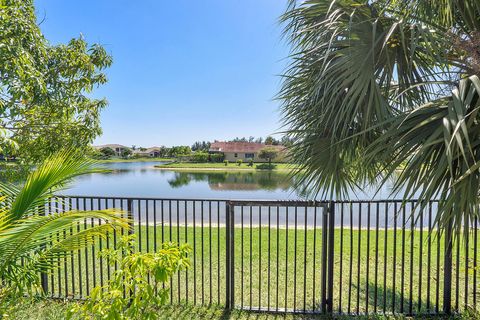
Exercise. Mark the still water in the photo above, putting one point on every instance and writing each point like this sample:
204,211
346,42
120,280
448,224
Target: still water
142,179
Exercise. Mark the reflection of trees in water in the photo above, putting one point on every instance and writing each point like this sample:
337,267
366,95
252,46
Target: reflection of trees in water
234,180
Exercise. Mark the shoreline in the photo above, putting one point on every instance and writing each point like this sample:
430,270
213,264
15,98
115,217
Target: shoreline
205,167
189,169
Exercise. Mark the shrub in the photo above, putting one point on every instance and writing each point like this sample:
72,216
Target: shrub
107,152
134,276
266,166
225,162
200,157
217,157
239,162
250,162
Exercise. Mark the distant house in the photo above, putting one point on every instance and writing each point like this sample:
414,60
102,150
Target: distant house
118,148
245,151
152,152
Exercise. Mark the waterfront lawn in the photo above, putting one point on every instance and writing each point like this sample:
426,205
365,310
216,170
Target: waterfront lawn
264,267
190,166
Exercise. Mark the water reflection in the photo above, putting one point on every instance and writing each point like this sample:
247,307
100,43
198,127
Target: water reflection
224,181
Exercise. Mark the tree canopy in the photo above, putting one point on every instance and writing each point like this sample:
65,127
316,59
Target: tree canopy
268,153
45,89
378,86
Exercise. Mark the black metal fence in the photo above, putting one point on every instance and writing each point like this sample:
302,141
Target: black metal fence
354,257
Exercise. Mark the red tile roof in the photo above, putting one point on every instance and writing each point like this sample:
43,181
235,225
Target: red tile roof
253,147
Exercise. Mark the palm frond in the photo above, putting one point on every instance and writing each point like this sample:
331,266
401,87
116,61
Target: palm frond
378,86
31,235
50,177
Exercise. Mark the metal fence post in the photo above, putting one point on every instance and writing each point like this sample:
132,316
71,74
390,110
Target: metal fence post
447,276
331,233
324,273
130,215
229,247
43,275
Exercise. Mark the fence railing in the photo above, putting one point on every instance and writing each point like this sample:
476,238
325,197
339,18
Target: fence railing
352,257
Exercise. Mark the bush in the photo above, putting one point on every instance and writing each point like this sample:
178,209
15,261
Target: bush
250,162
144,296
266,166
217,157
226,162
107,152
200,157
239,162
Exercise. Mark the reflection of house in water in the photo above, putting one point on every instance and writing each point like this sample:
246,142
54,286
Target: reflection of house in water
225,181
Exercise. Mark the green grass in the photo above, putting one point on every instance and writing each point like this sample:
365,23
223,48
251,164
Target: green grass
55,310
290,274
222,167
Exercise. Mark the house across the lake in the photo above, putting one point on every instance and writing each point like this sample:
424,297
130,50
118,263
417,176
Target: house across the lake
152,152
118,148
244,151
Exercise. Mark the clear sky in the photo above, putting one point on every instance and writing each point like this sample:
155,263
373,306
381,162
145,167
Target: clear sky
183,70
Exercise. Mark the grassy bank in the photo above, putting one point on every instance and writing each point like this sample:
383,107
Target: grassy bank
188,166
280,266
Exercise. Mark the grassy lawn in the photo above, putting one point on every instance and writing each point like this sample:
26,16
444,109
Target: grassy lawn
269,271
136,160
55,310
221,166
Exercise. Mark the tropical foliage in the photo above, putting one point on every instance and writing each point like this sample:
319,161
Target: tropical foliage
44,89
33,236
268,153
137,288
377,86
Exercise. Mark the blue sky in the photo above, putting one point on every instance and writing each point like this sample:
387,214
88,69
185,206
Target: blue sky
183,70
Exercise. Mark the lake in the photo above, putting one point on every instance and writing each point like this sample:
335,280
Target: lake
142,179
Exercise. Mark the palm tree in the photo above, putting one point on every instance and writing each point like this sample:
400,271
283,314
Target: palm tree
31,238
378,86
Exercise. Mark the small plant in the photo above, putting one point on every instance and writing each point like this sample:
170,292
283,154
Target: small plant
137,289
225,162
239,162
250,162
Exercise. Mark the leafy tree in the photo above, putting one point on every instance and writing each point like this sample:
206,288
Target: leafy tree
378,86
271,141
237,139
217,157
107,152
201,146
44,89
268,153
126,153
142,275
200,157
29,242
259,140
177,151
